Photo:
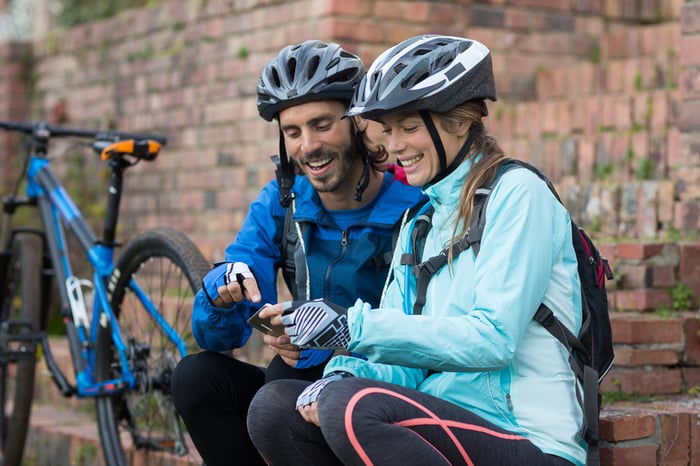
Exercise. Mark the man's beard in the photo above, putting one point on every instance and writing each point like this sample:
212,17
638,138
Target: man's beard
337,176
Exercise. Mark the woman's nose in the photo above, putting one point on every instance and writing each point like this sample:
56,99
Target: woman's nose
394,145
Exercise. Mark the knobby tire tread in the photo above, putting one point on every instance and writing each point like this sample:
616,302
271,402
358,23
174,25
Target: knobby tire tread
23,276
157,243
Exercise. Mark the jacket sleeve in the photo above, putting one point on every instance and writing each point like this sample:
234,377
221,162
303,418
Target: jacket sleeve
258,245
481,328
360,367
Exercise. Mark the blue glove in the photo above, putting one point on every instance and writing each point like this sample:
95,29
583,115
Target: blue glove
221,275
313,357
316,324
311,393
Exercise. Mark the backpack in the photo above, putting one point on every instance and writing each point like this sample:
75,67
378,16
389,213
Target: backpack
591,352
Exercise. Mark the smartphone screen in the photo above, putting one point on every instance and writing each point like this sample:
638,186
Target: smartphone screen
264,325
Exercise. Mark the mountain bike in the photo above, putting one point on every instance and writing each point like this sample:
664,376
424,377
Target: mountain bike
127,326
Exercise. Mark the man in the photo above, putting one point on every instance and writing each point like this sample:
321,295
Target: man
328,222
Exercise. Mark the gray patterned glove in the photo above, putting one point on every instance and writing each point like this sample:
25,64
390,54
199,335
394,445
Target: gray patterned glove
311,393
316,324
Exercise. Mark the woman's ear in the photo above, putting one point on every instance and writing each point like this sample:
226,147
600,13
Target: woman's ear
463,127
360,123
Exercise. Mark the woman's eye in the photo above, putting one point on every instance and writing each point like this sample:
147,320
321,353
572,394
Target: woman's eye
410,129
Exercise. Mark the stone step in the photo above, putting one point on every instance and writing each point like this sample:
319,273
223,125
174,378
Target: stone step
62,435
647,434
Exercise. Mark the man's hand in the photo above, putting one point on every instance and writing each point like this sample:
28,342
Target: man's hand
290,353
229,283
316,324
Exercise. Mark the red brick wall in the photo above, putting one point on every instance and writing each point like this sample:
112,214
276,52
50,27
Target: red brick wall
15,62
590,91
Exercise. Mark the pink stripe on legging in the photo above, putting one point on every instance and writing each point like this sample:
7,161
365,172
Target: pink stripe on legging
432,419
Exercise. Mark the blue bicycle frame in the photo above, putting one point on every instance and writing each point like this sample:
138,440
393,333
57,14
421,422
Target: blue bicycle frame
58,211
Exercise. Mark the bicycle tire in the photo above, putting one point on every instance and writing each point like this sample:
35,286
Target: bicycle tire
21,303
169,268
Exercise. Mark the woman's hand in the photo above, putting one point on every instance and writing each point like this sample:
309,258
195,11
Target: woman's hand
310,413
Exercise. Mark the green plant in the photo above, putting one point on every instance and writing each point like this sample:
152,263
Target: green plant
603,171
242,53
75,12
594,54
619,395
638,82
694,390
645,169
682,297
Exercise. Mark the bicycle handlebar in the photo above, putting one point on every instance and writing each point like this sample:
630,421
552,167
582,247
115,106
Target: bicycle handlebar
43,130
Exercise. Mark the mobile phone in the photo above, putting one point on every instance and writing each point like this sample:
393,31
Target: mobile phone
264,325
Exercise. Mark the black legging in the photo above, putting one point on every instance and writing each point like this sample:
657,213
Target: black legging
365,422
212,392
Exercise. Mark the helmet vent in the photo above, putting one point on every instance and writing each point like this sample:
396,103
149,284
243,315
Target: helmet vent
291,69
275,76
312,66
332,63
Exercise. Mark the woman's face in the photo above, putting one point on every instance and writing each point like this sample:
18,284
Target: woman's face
408,140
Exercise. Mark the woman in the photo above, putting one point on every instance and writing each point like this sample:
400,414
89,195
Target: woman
471,379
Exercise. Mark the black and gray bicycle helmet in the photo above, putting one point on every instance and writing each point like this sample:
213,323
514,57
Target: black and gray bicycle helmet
312,70
428,73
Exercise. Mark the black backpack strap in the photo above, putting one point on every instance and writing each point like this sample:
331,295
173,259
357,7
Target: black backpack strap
580,363
425,270
293,258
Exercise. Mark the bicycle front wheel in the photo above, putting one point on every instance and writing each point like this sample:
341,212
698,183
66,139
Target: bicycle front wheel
168,268
20,317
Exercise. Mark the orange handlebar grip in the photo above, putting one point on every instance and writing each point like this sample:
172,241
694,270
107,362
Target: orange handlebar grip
146,149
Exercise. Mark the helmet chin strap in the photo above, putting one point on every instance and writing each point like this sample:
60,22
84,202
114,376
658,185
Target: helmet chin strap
440,149
284,171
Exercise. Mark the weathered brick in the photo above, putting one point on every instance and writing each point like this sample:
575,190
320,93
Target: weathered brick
692,339
641,299
616,427
645,329
643,381
634,276
635,357
638,250
689,116
642,455
690,18
689,268
675,438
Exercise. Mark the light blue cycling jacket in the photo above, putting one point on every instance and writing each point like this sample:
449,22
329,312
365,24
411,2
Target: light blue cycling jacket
477,326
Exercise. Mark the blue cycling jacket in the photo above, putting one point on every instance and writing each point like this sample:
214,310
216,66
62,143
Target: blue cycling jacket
341,264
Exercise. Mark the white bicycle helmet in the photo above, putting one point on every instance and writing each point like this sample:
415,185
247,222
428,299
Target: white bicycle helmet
428,72
312,70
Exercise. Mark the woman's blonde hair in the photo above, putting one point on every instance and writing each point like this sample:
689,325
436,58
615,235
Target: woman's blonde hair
482,173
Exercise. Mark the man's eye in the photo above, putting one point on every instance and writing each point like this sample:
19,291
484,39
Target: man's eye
324,127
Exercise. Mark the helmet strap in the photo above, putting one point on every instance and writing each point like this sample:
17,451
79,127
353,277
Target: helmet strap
463,151
284,172
435,136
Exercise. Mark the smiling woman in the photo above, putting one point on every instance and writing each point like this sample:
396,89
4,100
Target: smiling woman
460,349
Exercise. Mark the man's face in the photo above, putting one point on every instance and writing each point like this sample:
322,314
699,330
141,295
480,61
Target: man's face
320,142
